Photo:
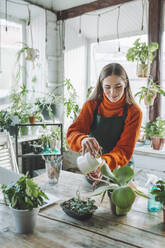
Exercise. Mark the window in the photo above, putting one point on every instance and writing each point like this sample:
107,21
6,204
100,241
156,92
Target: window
11,42
107,52
163,78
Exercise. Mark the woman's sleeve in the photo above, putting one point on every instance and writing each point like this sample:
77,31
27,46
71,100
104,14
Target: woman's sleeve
122,152
80,127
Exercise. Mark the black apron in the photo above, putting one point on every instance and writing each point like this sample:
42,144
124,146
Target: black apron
107,130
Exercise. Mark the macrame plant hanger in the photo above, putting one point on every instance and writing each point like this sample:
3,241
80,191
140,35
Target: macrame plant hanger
118,16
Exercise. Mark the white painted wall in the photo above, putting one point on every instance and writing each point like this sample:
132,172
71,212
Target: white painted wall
38,37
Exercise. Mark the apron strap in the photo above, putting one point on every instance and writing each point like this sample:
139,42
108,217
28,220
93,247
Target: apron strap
125,111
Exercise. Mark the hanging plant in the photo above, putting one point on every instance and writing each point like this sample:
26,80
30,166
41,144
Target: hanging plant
143,54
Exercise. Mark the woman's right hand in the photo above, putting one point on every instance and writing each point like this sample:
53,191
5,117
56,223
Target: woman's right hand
90,144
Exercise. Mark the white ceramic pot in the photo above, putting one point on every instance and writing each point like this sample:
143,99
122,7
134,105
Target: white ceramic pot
25,220
87,163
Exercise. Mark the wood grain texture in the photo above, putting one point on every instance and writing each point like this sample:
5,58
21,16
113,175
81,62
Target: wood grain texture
85,8
55,229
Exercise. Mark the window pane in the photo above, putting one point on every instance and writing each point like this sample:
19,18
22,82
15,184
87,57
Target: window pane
107,52
10,44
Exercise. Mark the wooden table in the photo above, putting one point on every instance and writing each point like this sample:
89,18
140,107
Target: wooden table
55,229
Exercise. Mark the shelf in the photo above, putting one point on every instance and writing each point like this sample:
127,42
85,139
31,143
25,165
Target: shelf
31,154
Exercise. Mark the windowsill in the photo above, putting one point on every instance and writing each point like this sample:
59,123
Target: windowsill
143,149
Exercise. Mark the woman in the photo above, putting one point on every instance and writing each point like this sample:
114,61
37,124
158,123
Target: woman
109,121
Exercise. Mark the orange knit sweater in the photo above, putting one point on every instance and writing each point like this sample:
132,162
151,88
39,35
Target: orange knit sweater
122,152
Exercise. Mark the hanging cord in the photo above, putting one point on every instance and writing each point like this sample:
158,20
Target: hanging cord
98,28
30,25
46,23
6,14
80,31
118,28
63,35
142,24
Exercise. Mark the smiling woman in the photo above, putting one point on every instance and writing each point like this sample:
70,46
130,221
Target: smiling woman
109,121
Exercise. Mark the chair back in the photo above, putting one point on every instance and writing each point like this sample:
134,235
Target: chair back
7,154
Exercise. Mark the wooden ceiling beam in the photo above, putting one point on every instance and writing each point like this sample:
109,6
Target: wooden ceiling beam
85,8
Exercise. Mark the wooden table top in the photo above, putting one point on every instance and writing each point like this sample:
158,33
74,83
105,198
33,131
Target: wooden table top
54,228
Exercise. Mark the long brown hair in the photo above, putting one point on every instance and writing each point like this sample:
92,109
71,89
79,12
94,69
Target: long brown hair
108,70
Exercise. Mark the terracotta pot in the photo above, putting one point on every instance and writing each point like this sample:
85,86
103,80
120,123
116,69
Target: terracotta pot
32,119
142,70
157,143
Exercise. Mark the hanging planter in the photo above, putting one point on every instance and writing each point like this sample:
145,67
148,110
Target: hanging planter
142,70
143,54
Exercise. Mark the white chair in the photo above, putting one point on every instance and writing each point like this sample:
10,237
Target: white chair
8,164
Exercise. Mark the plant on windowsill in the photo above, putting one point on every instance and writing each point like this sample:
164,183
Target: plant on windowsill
70,101
120,193
24,198
34,113
159,193
143,54
47,105
6,122
149,93
156,132
78,208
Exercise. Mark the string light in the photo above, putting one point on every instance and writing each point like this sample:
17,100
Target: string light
98,28
142,25
6,15
118,28
80,31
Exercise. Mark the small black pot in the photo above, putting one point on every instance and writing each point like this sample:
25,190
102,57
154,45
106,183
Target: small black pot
74,214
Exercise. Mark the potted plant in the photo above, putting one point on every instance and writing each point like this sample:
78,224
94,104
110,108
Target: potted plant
47,105
70,101
149,93
24,198
159,193
30,53
34,113
78,208
120,193
156,132
143,54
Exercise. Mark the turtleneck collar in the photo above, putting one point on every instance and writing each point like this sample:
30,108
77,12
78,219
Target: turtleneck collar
113,105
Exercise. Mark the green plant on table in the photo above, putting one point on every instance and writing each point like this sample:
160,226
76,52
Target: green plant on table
23,194
120,192
159,191
80,206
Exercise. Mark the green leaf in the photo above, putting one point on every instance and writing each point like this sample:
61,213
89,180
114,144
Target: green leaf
124,174
122,211
108,173
123,197
103,189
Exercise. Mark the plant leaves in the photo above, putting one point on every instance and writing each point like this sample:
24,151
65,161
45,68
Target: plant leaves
108,173
123,197
103,189
124,174
122,211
